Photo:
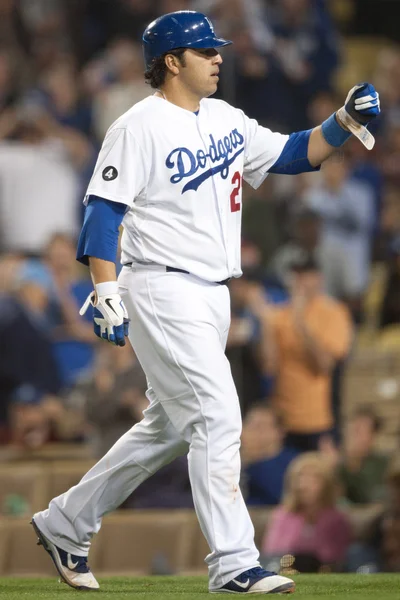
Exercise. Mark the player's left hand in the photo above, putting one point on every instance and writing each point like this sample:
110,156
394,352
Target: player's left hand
362,103
110,317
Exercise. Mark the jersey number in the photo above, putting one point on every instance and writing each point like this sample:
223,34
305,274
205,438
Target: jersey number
237,182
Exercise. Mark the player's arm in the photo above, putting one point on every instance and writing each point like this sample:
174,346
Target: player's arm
111,192
102,270
306,150
97,247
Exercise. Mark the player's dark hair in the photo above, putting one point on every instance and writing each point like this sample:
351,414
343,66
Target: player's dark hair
157,73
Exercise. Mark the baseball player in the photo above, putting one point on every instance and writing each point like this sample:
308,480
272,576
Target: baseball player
171,171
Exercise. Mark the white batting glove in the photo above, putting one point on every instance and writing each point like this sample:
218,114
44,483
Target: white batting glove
360,108
110,317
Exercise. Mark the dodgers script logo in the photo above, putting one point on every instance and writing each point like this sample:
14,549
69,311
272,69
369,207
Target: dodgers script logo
187,163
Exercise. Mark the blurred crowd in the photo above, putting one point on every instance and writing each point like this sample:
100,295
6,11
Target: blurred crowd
320,254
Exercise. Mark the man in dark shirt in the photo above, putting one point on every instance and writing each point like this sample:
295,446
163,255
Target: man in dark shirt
28,370
265,459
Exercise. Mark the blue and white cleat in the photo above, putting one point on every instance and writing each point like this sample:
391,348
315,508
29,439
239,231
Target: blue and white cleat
257,581
72,569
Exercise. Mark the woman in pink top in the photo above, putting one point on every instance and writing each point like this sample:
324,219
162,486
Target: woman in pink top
307,523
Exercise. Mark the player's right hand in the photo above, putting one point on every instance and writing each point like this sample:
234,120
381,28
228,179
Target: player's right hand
362,103
110,317
360,108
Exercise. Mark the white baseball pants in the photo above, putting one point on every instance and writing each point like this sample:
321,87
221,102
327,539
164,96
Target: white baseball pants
179,327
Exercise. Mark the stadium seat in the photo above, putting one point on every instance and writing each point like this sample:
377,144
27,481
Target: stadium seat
142,542
389,339
23,556
23,488
65,474
3,545
200,549
371,379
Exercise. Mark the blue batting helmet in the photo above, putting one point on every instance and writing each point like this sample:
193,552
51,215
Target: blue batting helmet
180,29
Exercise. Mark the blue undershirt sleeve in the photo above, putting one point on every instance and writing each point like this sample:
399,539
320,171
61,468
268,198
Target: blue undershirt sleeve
100,230
293,158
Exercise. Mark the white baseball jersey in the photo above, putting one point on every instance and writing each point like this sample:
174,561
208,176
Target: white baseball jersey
180,173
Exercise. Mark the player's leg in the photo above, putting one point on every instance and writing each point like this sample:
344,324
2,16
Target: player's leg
71,520
180,326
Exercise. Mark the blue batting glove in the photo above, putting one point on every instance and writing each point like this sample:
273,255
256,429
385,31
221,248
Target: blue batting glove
110,317
363,103
360,108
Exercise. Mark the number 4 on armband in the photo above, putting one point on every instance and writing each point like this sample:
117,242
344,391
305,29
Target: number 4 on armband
237,182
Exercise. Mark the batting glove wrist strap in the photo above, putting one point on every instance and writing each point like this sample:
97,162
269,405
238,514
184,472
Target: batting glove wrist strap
334,133
360,108
110,317
106,288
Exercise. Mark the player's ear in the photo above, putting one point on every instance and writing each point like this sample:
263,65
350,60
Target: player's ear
172,63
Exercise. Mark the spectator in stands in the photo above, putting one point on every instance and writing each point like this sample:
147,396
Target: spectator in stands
361,468
379,550
9,266
264,456
73,341
45,36
305,48
387,77
126,18
113,401
7,85
389,310
253,71
337,276
347,210
305,234
263,221
307,240
364,167
362,163
321,105
389,226
243,338
29,378
390,525
39,164
124,68
113,398
60,89
13,39
168,488
301,341
308,525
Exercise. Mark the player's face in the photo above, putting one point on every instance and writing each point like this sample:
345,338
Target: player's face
200,74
